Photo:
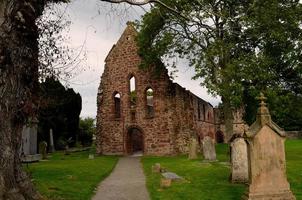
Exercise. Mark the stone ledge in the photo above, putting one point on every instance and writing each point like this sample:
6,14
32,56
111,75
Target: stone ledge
32,158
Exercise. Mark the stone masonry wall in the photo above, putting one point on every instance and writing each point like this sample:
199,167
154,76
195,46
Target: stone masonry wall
176,117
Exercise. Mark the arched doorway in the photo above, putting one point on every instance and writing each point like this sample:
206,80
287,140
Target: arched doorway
219,137
135,141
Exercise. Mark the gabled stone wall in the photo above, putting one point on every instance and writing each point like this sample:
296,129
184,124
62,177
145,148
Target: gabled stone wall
175,120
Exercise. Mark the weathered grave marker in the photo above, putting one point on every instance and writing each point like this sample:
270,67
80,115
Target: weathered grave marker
193,149
267,164
29,142
239,160
43,149
209,151
51,145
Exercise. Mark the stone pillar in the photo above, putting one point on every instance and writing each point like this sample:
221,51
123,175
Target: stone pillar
208,147
51,143
239,161
266,160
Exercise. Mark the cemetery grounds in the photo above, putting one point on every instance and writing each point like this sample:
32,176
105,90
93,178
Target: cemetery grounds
75,177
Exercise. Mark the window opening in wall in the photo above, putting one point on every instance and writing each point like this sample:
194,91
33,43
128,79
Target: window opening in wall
150,103
198,110
204,112
133,95
117,105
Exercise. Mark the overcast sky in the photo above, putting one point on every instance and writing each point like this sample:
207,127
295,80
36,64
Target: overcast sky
100,25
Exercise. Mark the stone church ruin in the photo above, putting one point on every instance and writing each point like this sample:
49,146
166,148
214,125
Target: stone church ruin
140,113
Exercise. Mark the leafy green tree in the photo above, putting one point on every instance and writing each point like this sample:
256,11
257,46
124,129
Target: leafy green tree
234,46
87,130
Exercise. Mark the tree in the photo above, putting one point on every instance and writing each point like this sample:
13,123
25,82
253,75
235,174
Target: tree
87,130
19,77
18,87
59,110
235,46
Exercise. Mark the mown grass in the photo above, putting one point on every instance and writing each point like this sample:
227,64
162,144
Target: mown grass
70,177
210,181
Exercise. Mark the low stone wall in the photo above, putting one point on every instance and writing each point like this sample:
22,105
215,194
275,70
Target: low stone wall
294,134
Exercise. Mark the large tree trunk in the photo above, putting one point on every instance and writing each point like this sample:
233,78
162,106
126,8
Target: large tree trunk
228,118
18,81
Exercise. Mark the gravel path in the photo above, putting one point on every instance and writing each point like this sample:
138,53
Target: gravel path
126,182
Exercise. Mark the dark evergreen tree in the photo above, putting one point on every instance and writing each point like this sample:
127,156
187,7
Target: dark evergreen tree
60,110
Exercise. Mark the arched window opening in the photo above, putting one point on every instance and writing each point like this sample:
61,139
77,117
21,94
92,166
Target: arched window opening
133,95
204,112
117,105
150,103
198,111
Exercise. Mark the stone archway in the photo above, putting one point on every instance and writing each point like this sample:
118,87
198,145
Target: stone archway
135,141
219,137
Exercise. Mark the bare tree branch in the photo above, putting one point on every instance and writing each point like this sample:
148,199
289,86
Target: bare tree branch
144,2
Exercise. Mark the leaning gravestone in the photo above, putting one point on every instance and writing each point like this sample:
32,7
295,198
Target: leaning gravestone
239,161
208,147
267,164
193,149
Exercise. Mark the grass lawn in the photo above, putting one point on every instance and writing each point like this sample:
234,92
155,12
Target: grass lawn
70,177
209,181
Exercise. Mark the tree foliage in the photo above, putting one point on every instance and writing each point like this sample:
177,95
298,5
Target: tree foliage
57,58
238,48
60,108
87,130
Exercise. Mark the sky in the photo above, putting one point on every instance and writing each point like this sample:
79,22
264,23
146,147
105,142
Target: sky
99,25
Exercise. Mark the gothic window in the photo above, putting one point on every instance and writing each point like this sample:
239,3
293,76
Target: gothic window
204,112
149,102
198,110
117,105
133,95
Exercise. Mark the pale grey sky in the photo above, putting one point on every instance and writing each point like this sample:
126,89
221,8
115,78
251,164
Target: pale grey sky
101,24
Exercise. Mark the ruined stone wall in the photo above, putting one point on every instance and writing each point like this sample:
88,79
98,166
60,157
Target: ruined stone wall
174,120
238,124
186,122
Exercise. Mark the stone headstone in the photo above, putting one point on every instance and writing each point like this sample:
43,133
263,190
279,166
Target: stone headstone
208,147
51,143
239,161
156,168
172,176
193,148
266,160
43,149
29,142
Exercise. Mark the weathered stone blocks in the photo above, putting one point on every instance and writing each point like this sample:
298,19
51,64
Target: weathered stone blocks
176,112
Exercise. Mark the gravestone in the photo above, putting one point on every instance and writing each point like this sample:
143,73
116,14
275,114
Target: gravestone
156,168
208,147
266,160
239,161
51,143
29,142
43,149
193,149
